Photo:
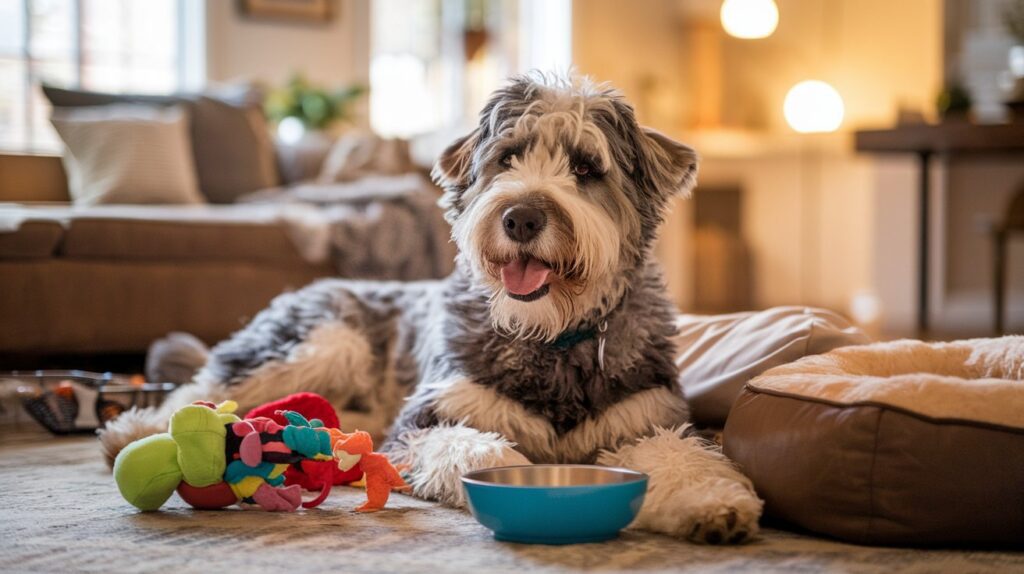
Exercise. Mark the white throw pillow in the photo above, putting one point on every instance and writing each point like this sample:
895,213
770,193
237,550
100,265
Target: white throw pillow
128,153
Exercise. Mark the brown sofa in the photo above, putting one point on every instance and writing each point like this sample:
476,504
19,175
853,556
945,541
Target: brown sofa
110,279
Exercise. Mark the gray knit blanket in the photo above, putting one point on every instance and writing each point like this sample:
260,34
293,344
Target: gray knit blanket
378,227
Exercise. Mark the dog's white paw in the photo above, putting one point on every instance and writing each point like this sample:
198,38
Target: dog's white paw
438,457
717,523
694,491
718,512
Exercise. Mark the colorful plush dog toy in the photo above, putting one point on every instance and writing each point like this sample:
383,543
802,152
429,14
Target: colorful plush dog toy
309,474
215,459
354,456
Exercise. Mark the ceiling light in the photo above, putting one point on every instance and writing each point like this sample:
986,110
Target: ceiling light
750,19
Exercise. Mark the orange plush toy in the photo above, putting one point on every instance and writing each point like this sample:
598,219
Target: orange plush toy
355,451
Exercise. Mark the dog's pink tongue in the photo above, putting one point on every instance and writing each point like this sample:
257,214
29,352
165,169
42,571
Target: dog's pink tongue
524,275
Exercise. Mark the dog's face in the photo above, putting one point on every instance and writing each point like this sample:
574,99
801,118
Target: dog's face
553,196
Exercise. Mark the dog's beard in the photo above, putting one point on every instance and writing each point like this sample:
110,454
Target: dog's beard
580,246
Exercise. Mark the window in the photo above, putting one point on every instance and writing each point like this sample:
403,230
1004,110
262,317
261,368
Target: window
434,63
151,46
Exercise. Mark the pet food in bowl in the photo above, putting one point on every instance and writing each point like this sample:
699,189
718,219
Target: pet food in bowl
555,503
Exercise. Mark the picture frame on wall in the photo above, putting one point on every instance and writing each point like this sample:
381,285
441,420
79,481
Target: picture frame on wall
303,11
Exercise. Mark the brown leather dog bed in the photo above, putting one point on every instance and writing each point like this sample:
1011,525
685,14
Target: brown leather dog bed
901,443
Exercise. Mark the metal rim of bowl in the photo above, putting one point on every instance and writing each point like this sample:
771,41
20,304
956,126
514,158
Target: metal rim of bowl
632,476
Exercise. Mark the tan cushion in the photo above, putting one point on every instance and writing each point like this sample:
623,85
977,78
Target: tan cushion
32,239
904,442
128,153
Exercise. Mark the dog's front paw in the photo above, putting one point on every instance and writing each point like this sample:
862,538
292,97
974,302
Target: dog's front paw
694,491
716,512
438,457
719,524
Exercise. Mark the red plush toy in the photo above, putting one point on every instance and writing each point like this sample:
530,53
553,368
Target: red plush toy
311,474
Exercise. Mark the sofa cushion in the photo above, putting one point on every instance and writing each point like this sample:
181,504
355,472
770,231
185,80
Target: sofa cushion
31,240
241,233
233,150
177,234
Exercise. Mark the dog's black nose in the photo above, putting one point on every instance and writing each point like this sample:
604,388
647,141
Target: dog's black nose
522,222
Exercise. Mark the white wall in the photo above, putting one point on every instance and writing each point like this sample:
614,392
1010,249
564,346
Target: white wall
334,54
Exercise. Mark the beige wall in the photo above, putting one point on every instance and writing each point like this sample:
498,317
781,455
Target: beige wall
636,47
807,216
823,224
335,53
879,54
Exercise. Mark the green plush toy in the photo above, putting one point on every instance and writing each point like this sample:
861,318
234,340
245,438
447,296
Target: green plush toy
215,459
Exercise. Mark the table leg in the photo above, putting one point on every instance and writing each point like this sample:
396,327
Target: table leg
924,190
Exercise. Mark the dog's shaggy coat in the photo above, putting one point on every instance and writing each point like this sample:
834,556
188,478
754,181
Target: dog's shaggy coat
472,372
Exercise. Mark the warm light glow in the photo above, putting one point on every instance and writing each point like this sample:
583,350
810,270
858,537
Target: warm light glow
290,130
865,308
749,19
812,106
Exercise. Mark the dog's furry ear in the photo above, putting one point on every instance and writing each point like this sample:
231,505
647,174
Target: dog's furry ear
670,165
452,170
453,173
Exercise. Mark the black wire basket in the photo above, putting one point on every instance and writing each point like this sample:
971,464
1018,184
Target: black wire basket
76,402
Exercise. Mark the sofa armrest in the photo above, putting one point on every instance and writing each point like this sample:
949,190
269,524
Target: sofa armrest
32,178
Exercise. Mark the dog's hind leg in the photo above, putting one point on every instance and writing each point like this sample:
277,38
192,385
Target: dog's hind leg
438,456
694,491
337,362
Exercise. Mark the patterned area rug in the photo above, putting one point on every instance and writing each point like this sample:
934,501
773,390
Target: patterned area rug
60,512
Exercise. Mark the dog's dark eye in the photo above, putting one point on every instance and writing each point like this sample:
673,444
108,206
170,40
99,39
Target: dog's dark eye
582,169
506,160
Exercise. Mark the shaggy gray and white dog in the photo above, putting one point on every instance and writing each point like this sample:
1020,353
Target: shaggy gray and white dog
551,342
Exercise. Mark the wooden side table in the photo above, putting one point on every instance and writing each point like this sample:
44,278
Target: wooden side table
924,141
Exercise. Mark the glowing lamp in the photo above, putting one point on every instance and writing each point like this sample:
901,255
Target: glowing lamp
812,106
749,19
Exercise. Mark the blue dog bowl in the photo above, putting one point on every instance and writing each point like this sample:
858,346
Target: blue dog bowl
555,503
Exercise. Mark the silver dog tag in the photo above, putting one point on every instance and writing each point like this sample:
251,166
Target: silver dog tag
600,344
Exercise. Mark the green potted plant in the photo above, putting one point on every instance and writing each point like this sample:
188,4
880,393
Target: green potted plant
954,102
300,107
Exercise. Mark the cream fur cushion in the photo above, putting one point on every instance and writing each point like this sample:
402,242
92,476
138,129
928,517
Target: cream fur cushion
902,442
127,153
